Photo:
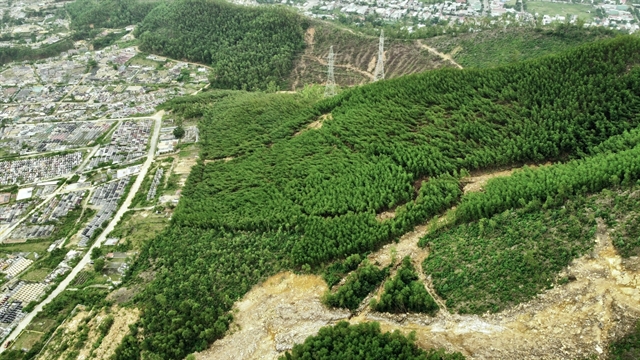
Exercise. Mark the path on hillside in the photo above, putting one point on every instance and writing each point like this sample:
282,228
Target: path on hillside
434,51
87,257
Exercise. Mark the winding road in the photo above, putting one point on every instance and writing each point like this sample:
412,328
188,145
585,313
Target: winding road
87,257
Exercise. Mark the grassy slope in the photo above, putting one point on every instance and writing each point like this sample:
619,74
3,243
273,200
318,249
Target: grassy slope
491,48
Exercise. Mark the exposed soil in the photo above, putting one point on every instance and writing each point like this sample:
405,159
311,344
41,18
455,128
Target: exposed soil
123,294
316,124
570,321
123,317
476,183
282,311
356,56
447,57
227,159
386,215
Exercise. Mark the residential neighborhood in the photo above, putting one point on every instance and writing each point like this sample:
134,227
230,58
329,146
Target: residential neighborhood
75,132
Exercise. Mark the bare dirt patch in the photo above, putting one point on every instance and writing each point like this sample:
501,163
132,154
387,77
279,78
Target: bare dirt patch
282,311
315,125
227,159
476,183
123,317
447,57
574,320
355,59
123,294
68,333
386,215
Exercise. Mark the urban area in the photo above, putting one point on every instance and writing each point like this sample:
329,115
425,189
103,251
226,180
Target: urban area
79,134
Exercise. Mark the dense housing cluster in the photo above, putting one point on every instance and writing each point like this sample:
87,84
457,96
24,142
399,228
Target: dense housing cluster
11,213
114,88
128,143
38,138
106,196
24,233
37,169
58,207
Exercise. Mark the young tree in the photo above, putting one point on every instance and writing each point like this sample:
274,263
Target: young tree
178,132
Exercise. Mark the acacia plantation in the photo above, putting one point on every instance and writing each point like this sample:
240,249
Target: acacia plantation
274,194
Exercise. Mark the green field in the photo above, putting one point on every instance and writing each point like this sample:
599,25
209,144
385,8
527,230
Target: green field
138,227
31,246
584,12
35,275
507,46
27,339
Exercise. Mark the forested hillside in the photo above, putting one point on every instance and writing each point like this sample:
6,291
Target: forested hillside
248,48
86,14
301,196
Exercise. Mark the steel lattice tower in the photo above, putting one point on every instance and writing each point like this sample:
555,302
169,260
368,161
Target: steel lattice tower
330,88
379,74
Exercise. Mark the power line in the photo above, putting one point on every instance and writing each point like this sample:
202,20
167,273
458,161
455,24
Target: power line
330,88
379,74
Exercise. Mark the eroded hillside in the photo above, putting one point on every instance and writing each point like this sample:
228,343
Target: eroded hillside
356,56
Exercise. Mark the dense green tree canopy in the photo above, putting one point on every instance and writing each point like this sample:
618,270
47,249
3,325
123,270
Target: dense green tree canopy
248,48
363,341
281,194
404,293
87,14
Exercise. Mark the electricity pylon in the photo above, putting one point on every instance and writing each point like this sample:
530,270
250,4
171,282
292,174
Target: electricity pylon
379,74
330,88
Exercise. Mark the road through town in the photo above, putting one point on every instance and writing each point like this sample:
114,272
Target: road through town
87,257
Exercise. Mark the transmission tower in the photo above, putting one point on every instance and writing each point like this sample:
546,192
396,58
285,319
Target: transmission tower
379,74
330,88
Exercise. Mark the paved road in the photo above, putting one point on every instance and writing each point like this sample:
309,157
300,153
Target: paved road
87,258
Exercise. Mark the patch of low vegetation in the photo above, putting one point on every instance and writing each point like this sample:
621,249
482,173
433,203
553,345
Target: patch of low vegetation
405,293
627,347
363,341
490,48
135,228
